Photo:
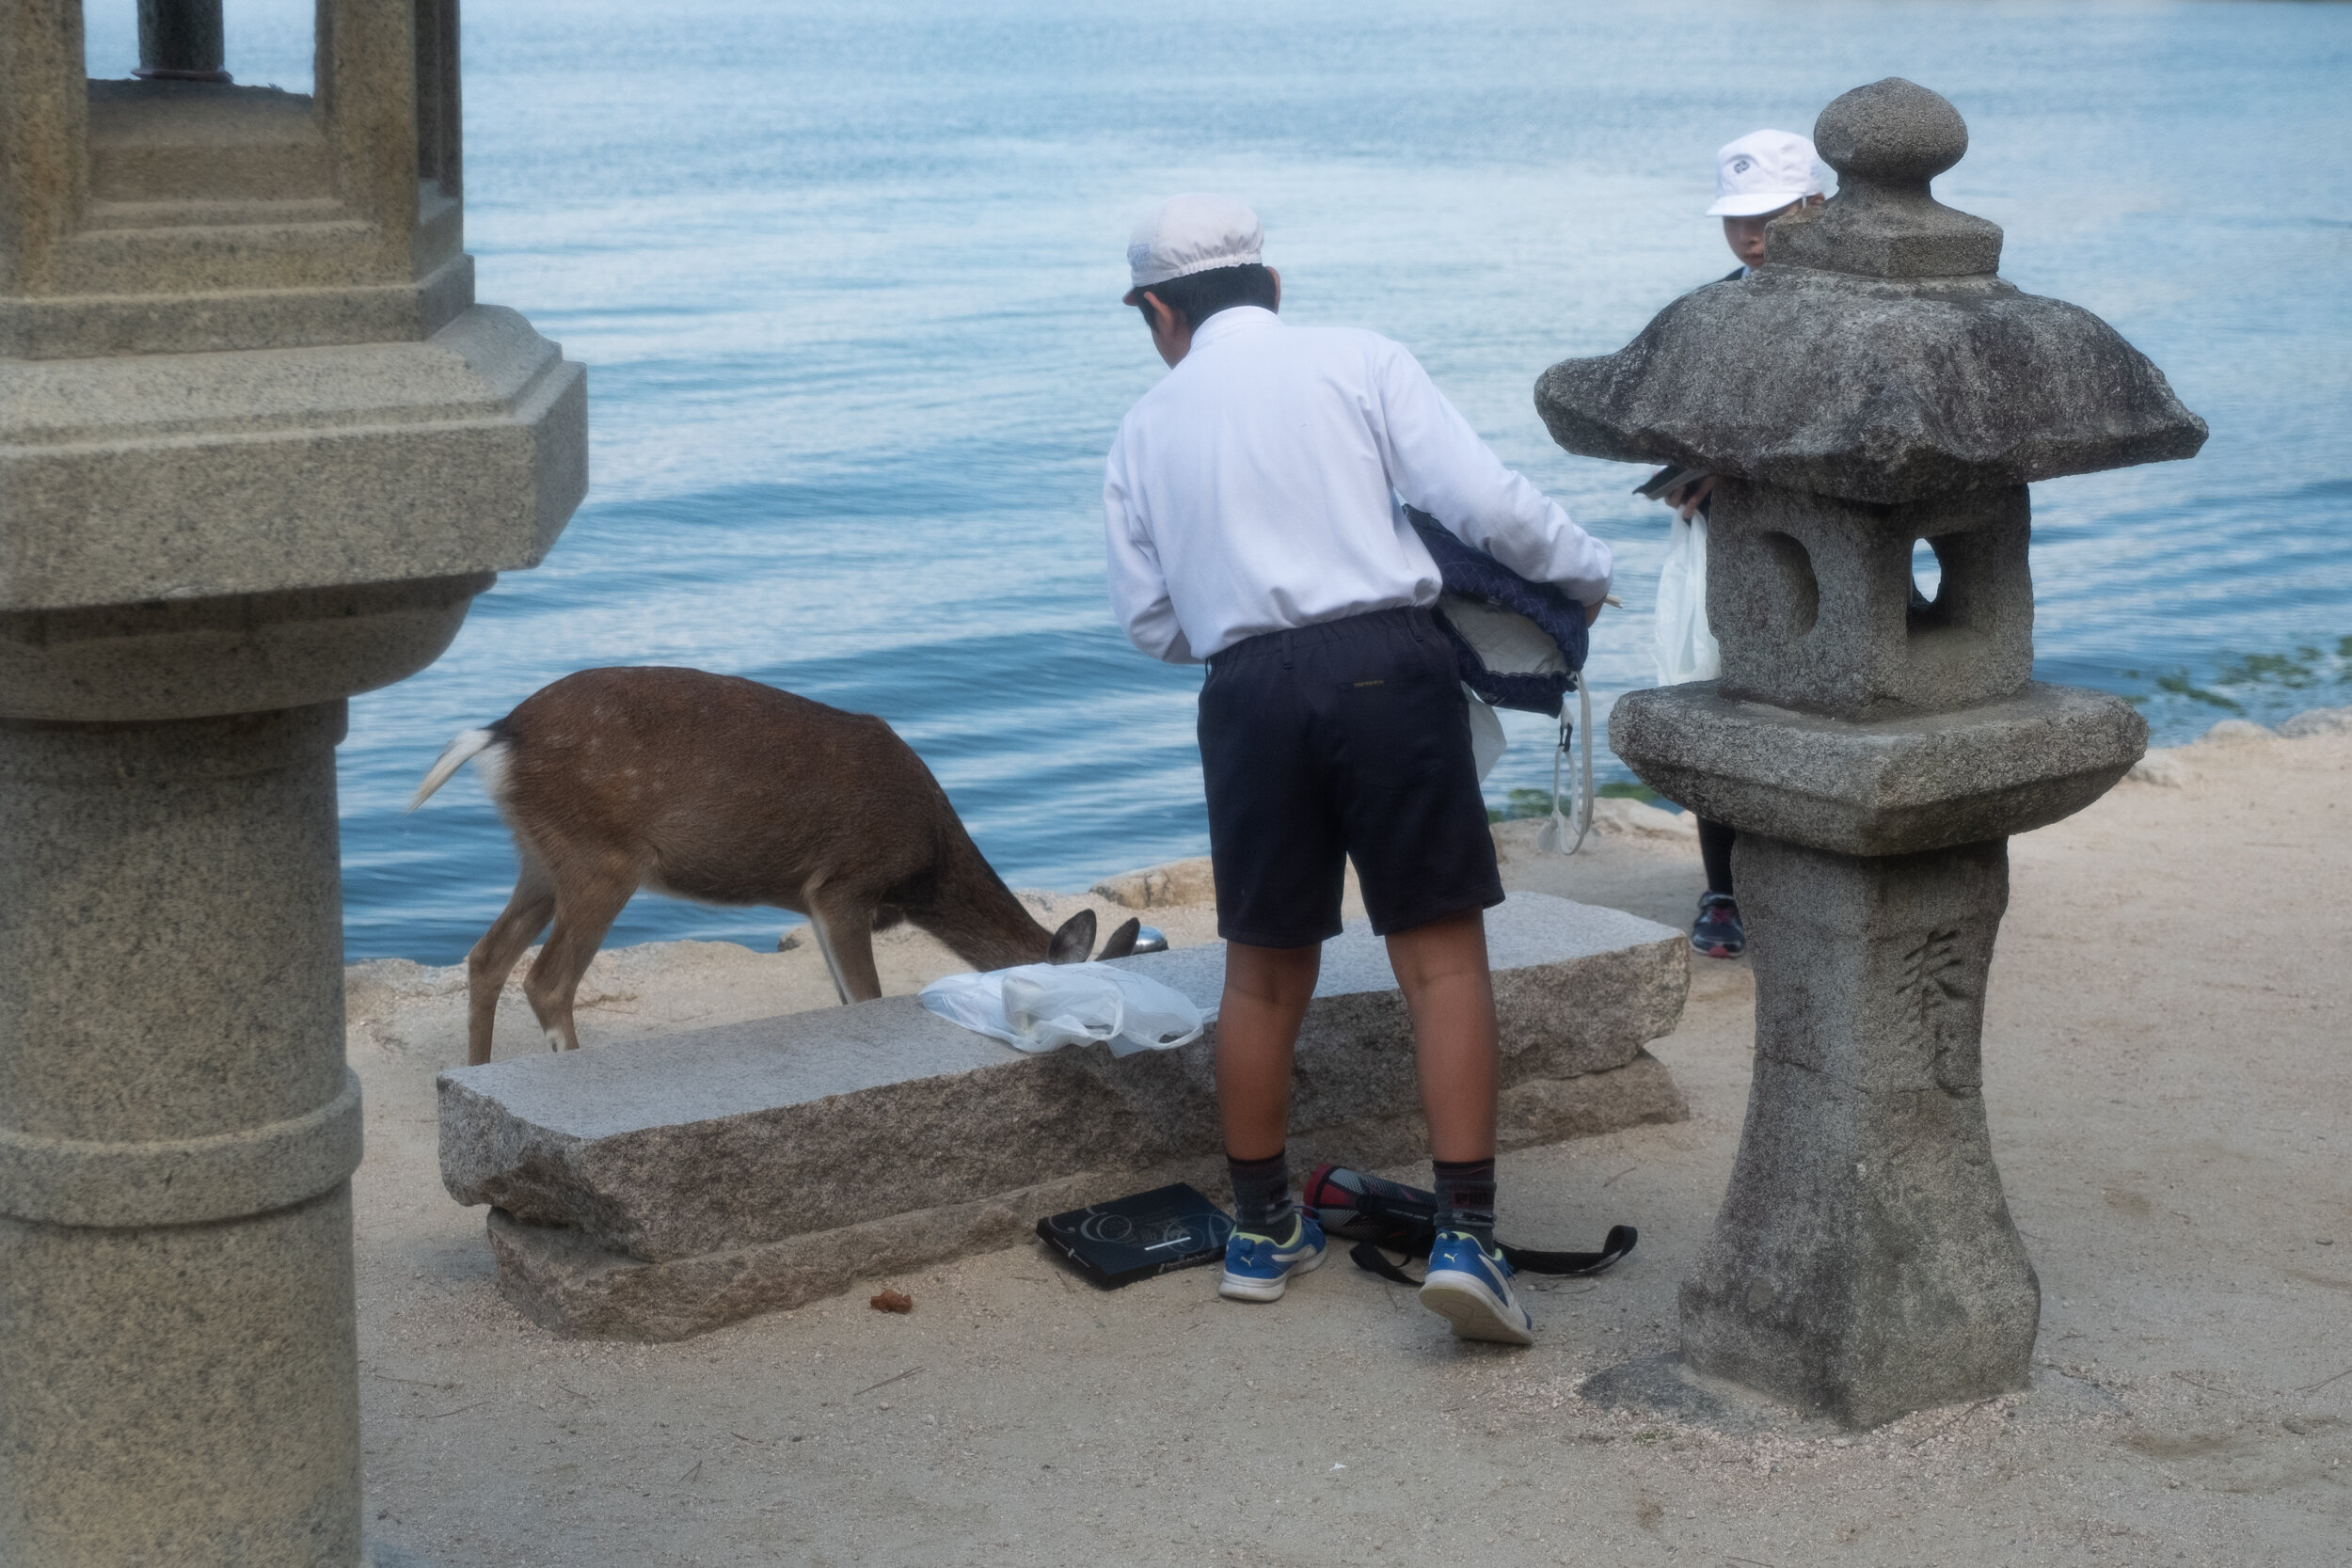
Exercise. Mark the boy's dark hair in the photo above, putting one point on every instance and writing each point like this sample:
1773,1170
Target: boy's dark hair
1196,298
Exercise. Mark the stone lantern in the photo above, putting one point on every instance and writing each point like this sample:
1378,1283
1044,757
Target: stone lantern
1871,384
259,449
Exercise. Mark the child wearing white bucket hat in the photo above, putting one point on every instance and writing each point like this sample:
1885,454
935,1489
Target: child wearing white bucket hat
1762,176
1252,523
1758,177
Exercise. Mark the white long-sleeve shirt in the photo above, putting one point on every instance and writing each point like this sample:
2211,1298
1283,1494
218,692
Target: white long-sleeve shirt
1252,490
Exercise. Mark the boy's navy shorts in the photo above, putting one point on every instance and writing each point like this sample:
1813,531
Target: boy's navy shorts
1350,739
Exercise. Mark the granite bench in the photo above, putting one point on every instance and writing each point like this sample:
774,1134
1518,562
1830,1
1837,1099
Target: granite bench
662,1188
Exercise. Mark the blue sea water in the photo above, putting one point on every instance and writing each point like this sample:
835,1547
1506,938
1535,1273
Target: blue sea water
846,276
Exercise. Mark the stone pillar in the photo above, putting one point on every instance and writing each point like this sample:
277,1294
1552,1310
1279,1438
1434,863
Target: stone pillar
259,451
1872,384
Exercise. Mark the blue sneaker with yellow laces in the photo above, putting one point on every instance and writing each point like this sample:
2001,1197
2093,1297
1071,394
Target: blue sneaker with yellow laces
1471,1287
1258,1268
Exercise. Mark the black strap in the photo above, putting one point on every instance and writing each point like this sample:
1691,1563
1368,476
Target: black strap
1373,1260
1615,1245
1619,1242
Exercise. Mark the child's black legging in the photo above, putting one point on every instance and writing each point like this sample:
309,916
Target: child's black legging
1715,841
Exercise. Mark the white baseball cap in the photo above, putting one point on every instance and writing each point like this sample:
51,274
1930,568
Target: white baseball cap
1187,234
1762,172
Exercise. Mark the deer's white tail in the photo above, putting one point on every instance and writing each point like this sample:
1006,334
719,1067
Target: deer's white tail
467,745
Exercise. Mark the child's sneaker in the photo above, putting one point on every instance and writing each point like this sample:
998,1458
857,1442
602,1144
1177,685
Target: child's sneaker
1717,932
1471,1287
1258,1268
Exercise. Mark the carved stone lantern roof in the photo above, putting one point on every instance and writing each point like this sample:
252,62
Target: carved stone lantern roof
1875,356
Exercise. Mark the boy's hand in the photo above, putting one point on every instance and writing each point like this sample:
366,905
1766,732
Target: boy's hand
1685,498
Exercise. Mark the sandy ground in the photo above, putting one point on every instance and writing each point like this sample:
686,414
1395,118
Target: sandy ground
2169,1071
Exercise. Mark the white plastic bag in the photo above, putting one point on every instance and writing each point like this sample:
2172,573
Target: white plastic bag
1685,648
1045,1006
1487,741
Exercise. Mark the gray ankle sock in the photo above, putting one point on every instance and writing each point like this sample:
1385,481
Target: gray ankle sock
1466,1198
1262,1194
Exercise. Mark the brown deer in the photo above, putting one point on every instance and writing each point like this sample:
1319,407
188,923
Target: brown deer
726,791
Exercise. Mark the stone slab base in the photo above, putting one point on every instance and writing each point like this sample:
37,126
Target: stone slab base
662,1187
691,1145
563,1281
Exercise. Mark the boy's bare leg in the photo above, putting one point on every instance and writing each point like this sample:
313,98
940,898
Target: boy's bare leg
1442,968
1266,991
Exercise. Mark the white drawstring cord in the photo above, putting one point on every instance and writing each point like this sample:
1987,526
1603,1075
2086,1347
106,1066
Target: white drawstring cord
1548,841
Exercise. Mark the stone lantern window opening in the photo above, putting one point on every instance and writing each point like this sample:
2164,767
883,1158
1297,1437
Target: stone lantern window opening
1793,600
259,42
332,217
1927,570
186,41
439,122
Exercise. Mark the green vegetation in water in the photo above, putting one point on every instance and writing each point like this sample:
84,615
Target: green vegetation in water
2242,679
1520,804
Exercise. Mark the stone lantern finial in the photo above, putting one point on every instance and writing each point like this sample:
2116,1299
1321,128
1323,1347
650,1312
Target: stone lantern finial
1872,384
1886,141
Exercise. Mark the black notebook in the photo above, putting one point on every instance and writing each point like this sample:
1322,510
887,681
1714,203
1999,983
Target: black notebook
1129,1239
1668,478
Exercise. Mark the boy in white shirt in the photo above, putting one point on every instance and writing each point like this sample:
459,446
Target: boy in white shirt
1252,519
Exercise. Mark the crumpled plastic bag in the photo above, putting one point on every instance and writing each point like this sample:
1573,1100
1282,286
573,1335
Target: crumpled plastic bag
1044,1007
1684,647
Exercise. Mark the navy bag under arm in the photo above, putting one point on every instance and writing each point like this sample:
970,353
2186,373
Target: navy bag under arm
1472,576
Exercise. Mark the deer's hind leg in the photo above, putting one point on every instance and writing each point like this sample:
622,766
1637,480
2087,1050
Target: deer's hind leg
844,924
527,914
586,903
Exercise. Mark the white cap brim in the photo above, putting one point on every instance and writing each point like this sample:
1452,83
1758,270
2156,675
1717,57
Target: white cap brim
1750,204
1134,295
1239,258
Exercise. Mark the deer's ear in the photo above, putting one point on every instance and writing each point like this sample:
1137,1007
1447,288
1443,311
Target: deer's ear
1122,939
1075,941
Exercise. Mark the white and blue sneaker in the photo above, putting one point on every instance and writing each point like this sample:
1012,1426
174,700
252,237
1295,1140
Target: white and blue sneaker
1258,1268
1471,1287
